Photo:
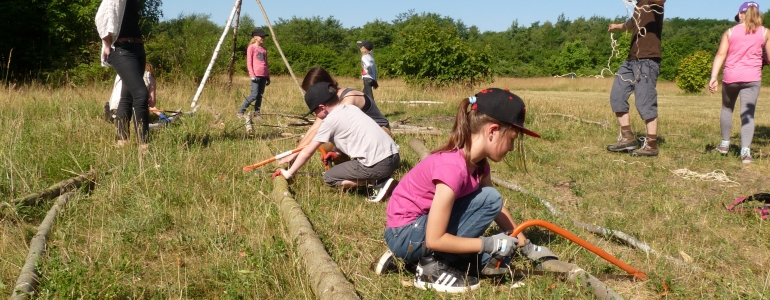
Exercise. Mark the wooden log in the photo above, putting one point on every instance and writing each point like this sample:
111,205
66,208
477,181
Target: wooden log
56,189
602,124
422,130
326,280
579,276
26,284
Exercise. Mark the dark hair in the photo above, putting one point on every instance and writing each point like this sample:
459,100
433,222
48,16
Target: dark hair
316,75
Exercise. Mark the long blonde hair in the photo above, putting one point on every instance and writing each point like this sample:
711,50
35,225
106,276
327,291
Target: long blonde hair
253,40
752,19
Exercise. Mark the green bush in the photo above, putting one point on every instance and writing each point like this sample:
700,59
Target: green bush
693,72
436,56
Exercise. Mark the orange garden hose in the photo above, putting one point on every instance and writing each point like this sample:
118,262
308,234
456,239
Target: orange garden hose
583,243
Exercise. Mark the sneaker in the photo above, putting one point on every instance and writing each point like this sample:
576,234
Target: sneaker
386,263
434,274
747,159
381,190
649,148
625,142
257,116
723,149
746,156
239,115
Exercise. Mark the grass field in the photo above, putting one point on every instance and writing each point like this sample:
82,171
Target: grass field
183,222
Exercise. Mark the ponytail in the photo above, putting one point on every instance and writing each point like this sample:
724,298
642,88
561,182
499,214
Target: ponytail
752,19
467,123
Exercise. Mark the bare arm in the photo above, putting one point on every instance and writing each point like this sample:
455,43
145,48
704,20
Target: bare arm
304,141
436,237
303,157
107,42
719,59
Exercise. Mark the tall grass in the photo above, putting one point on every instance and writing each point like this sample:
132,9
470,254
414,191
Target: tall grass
184,222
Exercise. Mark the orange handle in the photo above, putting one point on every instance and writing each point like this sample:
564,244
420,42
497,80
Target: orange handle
583,243
323,156
272,159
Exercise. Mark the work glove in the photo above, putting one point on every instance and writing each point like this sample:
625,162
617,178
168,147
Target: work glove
536,253
267,81
499,244
164,118
329,158
254,79
282,172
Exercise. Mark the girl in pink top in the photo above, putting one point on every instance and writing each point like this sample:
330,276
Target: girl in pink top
439,211
256,61
741,52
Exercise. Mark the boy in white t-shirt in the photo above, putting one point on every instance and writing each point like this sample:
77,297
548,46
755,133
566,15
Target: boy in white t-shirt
373,153
368,68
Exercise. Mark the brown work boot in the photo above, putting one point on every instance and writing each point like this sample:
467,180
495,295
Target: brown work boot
626,141
649,148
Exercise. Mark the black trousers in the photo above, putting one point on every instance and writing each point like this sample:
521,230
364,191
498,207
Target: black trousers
128,60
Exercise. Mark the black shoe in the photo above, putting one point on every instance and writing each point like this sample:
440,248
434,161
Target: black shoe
382,190
432,273
386,263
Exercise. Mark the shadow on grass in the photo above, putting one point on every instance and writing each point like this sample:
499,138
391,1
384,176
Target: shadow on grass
761,136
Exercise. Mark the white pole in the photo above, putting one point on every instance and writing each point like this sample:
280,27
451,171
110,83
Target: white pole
278,46
216,52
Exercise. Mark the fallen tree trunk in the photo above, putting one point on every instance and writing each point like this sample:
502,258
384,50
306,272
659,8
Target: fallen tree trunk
579,276
26,284
56,189
602,124
325,278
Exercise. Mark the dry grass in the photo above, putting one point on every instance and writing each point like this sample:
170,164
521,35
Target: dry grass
184,222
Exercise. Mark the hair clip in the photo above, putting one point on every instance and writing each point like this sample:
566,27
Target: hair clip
472,99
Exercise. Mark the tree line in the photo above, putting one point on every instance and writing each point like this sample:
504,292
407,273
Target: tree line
55,41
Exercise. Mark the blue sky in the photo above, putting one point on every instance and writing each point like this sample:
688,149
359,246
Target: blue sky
494,15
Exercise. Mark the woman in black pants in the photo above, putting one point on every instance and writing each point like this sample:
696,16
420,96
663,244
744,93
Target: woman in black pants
123,48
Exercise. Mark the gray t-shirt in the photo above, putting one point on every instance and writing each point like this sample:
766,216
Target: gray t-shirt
356,135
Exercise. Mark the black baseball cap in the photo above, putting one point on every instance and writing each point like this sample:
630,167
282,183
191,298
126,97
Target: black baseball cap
366,44
318,94
502,105
259,32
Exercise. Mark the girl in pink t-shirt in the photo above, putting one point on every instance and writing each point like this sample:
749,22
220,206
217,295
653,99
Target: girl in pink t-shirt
259,73
439,211
741,52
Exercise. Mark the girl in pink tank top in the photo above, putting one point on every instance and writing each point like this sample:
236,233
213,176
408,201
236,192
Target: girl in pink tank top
741,53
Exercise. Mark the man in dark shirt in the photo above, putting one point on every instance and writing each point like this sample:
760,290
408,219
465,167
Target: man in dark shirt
639,74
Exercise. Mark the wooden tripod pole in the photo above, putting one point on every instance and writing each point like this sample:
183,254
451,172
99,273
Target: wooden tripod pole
275,40
230,68
216,52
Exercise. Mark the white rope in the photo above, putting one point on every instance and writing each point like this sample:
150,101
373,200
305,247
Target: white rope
686,174
635,12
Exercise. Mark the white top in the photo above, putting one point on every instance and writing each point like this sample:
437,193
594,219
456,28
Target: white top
368,68
356,135
108,20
